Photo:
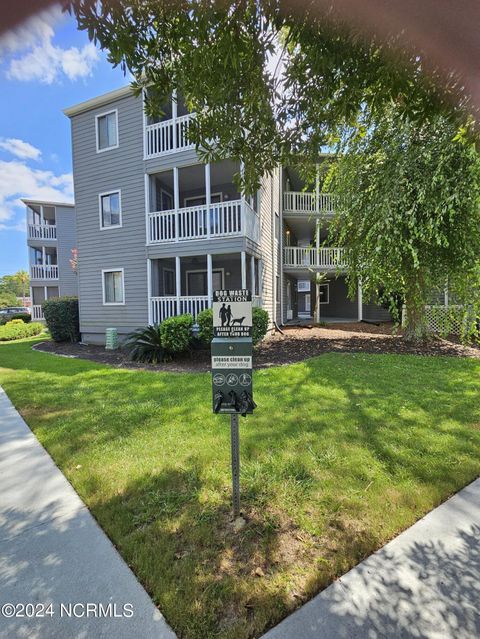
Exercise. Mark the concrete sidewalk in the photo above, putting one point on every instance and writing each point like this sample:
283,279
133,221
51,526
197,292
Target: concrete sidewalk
423,584
53,552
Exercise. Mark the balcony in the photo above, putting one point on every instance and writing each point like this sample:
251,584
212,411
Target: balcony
328,259
163,307
44,272
169,136
232,218
305,203
42,232
37,312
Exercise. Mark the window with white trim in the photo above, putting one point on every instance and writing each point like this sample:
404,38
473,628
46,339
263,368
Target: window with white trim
110,210
107,131
113,287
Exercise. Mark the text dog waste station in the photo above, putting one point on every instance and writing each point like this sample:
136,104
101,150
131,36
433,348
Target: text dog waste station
232,368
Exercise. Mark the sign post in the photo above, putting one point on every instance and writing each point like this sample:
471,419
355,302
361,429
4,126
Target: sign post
232,390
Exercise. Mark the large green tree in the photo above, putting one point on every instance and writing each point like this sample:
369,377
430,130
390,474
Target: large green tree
272,85
408,213
268,83
17,284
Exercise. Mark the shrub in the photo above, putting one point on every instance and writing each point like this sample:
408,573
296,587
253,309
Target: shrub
205,326
24,317
145,345
61,316
260,323
17,329
176,333
158,343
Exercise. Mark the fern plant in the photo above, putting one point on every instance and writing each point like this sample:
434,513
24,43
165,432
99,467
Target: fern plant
145,345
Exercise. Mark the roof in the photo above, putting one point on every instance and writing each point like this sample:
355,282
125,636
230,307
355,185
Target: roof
48,203
100,100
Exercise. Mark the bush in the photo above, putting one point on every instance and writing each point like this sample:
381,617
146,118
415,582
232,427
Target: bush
161,342
17,329
176,333
205,326
260,322
24,317
61,316
145,345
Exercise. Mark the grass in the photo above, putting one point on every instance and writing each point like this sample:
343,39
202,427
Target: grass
343,452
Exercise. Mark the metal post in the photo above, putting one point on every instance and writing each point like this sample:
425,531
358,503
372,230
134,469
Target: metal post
235,442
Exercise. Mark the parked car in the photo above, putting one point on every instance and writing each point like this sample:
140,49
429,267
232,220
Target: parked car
8,312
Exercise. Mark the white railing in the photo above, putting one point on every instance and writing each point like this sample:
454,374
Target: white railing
42,232
37,312
163,307
307,203
323,258
226,219
257,301
44,271
168,136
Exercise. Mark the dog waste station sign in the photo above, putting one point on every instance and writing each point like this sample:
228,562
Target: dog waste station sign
232,391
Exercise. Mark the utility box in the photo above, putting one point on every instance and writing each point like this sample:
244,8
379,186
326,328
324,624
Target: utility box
232,375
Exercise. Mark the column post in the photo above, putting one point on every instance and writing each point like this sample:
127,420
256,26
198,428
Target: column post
149,290
209,279
360,302
252,275
243,257
174,119
208,196
176,200
178,282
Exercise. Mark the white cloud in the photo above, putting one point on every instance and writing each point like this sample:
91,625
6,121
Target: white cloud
18,180
20,149
35,29
40,59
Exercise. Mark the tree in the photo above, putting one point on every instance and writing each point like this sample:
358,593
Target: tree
408,212
7,299
218,56
329,85
16,284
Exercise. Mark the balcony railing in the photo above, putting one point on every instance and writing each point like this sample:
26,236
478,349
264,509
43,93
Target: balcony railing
37,312
163,307
42,232
226,219
301,202
168,136
322,258
44,272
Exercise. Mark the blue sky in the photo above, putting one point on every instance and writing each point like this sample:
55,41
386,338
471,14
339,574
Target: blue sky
45,66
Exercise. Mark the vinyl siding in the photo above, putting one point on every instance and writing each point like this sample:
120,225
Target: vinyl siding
94,173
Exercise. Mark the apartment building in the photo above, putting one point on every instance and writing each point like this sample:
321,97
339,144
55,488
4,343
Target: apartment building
51,237
158,231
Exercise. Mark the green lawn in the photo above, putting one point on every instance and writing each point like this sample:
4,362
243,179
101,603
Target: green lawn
343,452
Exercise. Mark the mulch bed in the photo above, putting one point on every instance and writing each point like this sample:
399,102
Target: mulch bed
296,344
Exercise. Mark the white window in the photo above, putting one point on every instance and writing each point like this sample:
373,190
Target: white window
107,131
110,209
113,286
